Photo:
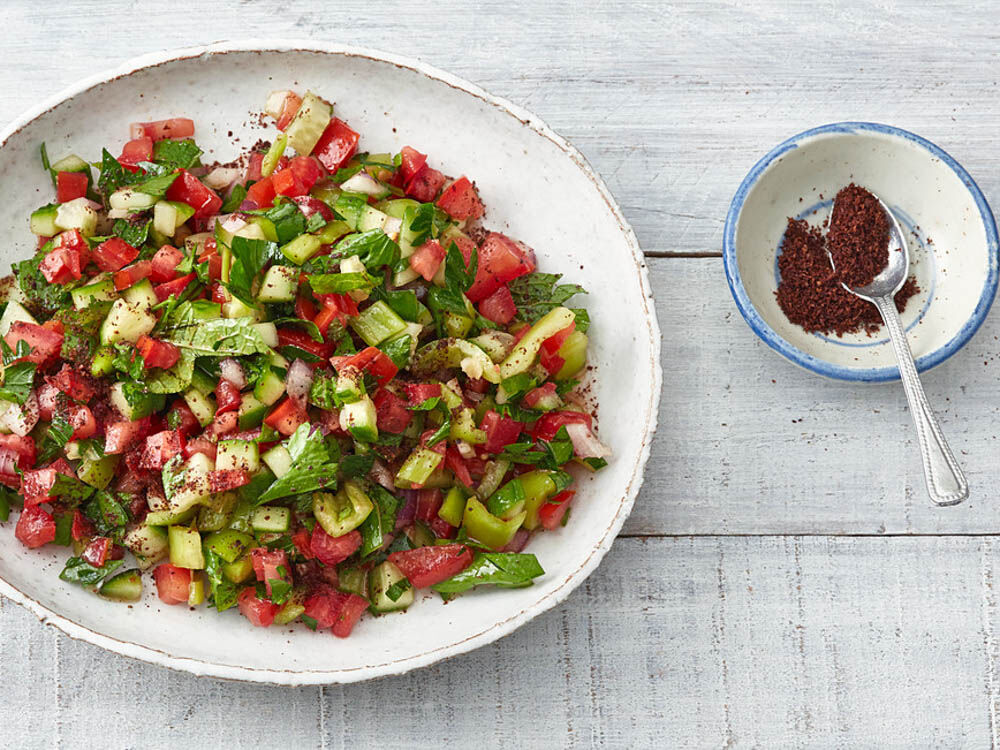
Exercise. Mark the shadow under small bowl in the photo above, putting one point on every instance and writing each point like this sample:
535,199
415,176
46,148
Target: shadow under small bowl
949,228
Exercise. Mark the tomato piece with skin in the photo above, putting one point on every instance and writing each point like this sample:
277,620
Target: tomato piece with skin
71,382
160,448
301,541
532,397
61,265
428,504
181,418
336,146
270,565
391,412
82,527
223,424
425,184
551,514
45,342
500,431
260,612
70,186
158,130
453,460
22,447
554,342
227,397
156,353
262,192
36,484
302,340
140,148
223,480
310,206
427,259
461,201
164,264
287,183
500,260
173,288
286,417
373,361
426,566
120,436
188,189
548,424
35,528
83,422
305,309
351,609
200,445
338,307
96,553
289,106
323,606
333,550
254,167
114,254
420,392
173,583
411,162
131,275
499,306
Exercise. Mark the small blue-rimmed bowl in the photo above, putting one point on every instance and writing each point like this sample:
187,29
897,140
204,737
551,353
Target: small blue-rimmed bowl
952,238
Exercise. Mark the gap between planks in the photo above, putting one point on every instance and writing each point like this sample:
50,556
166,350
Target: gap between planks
808,535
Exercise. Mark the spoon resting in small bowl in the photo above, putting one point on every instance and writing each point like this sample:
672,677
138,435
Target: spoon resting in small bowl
946,483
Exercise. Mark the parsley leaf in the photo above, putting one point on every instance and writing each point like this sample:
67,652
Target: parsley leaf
18,381
312,467
381,522
133,234
180,154
249,258
221,589
56,437
535,294
504,569
40,293
235,198
356,465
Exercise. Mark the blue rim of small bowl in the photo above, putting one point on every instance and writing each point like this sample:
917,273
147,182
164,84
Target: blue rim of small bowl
820,366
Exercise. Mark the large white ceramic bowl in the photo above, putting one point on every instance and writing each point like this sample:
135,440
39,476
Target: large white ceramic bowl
951,236
536,187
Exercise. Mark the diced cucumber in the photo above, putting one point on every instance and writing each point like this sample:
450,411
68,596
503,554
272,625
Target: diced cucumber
522,356
43,221
309,123
497,344
99,290
148,543
195,488
141,294
251,412
126,323
280,284
371,218
203,383
405,276
268,333
273,155
77,214
272,518
251,231
353,580
349,386
215,512
364,183
241,455
234,307
185,547
204,410
397,207
278,460
392,226
381,581
127,199
239,570
269,388
97,472
229,544
377,322
463,427
168,216
344,511
14,313
574,354
134,404
332,232
266,226
418,467
301,249
123,587
71,163
359,418
160,518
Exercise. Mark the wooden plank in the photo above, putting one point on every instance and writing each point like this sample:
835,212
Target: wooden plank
751,444
818,642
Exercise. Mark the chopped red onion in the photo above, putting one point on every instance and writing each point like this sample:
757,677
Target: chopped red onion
249,205
518,543
405,516
221,178
232,371
585,443
381,474
298,382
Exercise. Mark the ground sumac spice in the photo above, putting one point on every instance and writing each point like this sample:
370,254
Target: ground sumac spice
810,293
858,237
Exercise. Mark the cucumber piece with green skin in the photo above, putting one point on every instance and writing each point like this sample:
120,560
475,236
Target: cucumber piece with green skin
292,609
344,511
239,570
269,389
301,249
127,199
214,513
574,353
196,590
360,419
123,587
453,506
273,155
141,294
271,518
43,221
522,356
203,409
71,163
201,382
126,323
240,455
168,216
278,460
497,344
77,214
251,412
353,580
14,313
103,361
397,208
134,405
99,290
237,308
266,226
195,487
377,322
280,284
371,218
268,333
381,581
97,473
160,518
148,543
332,232
229,544
349,389
185,547
310,121
418,467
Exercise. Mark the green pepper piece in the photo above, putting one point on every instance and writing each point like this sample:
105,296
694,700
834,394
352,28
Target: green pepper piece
484,527
538,487
508,501
418,467
338,514
453,506
522,356
228,544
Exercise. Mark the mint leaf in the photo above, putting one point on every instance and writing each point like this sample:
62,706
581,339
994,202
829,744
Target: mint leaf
221,337
133,234
18,381
535,294
375,248
234,200
70,490
504,569
174,380
56,436
312,467
288,221
306,325
181,154
381,522
156,186
339,283
80,571
357,465
323,391
249,258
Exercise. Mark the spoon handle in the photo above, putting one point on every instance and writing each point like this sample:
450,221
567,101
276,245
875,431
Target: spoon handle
946,483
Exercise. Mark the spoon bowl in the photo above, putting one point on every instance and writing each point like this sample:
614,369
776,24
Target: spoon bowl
891,278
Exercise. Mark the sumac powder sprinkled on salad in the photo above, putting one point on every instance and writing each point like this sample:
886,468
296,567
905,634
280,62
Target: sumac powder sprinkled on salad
858,236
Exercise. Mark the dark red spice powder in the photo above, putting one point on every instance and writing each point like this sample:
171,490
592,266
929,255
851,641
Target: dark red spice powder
858,238
810,293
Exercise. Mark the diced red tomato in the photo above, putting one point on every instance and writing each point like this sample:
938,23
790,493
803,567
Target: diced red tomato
465,246
460,200
336,146
82,527
173,583
96,553
200,445
532,397
21,447
425,184
164,264
289,107
262,192
133,274
551,514
428,504
120,436
70,186
35,527
254,167
157,353
36,484
286,417
500,260
412,161
185,422
223,424
499,306
227,397
298,178
295,337
554,342
391,412
441,528
82,420
45,343
259,612
454,461
223,480
373,361
9,468
71,382
61,265
305,309
420,392
174,127
307,170
310,206
48,398
500,431
548,424
323,605
351,609
270,565
333,550
427,259
160,448
338,307
140,148
114,254
301,541
552,363
173,288
425,566
189,189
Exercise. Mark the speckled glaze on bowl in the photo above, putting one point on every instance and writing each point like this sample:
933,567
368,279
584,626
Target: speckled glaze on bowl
536,187
951,235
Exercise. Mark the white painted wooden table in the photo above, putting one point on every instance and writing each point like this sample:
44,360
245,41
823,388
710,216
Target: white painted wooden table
783,581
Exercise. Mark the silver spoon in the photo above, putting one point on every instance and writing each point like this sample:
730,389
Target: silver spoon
946,483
